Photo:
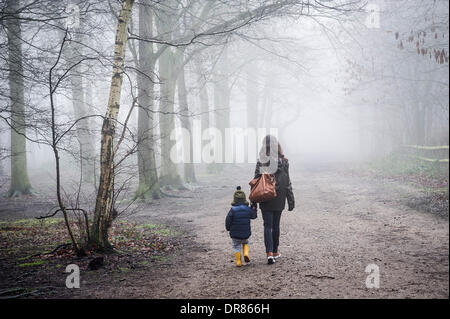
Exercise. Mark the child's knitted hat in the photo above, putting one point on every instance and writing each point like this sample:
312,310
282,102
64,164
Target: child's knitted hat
239,197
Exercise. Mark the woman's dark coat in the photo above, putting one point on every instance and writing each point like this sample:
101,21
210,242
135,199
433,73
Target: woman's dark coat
283,187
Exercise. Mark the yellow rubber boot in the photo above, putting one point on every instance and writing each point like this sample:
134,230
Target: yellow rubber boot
245,248
238,259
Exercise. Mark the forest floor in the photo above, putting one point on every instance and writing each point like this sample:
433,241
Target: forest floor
344,220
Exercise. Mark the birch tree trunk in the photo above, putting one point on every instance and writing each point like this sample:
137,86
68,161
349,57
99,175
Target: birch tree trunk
20,183
104,211
148,177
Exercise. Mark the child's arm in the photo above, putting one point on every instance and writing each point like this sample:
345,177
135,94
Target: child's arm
228,220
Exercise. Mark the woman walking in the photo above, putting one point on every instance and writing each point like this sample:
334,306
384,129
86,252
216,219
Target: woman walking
271,153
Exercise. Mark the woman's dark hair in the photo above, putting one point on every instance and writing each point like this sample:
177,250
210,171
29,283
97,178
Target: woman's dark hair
270,142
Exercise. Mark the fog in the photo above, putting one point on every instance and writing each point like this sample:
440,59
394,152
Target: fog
336,81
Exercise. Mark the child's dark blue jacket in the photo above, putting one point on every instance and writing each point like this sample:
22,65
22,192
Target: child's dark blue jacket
238,221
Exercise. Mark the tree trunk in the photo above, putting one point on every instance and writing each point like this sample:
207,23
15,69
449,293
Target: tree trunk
148,177
203,96
104,211
89,102
429,124
222,100
269,108
252,96
252,100
189,170
267,103
169,175
84,135
419,123
20,183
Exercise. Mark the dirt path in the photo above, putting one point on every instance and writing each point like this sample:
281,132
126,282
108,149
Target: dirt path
342,223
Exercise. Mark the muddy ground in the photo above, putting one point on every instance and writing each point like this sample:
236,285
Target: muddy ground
344,220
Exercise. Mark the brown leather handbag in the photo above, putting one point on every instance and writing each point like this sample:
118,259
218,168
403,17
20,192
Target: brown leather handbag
262,188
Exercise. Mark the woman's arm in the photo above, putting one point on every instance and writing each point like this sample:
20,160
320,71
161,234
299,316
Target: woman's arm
258,169
253,213
289,192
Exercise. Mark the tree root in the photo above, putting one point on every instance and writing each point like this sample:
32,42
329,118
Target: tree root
146,193
19,193
52,251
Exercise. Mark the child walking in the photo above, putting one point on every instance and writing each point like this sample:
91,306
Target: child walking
238,224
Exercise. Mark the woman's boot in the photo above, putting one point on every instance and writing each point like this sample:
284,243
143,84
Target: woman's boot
270,259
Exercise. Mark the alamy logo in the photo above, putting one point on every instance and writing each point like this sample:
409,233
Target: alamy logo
73,279
373,279
232,145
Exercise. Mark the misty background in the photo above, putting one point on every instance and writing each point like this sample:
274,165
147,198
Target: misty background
341,81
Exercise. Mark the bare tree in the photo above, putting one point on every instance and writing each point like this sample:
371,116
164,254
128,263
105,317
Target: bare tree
148,176
104,212
20,183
